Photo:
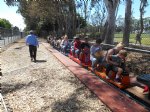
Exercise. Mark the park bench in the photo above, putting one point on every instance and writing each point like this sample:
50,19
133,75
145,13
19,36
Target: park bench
145,79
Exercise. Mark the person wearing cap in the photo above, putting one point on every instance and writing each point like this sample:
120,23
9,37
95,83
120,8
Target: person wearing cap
95,59
32,42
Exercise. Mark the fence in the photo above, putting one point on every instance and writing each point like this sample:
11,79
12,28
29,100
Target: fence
8,36
145,38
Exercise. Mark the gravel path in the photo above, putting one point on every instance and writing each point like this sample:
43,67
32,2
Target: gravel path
45,86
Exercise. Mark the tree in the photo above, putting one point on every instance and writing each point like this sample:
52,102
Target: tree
99,15
127,22
143,4
5,23
108,34
119,23
80,22
15,30
49,15
85,7
134,24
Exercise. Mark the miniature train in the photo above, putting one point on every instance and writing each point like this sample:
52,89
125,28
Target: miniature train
125,79
85,62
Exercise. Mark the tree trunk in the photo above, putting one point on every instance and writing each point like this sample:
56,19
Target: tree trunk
142,6
111,6
127,25
71,22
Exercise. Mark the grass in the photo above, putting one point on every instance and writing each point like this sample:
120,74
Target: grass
145,38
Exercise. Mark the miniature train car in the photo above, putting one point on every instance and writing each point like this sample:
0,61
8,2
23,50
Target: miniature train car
125,80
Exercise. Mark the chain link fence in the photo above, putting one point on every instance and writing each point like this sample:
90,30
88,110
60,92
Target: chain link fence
144,39
8,36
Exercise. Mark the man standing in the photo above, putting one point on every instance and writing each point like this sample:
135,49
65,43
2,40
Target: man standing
138,38
32,42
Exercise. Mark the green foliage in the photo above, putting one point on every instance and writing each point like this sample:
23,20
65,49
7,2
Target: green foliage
5,23
47,15
145,38
80,22
95,35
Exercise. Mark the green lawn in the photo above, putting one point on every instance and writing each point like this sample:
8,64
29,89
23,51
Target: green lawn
145,38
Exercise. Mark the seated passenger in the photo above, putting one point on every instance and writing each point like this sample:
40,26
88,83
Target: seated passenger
64,44
117,63
59,44
54,40
96,54
77,44
72,51
112,51
85,50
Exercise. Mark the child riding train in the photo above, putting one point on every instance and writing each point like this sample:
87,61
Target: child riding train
113,60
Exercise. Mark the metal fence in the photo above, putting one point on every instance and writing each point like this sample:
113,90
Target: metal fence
8,36
145,39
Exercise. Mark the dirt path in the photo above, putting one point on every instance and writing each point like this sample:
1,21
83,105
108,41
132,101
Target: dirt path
45,86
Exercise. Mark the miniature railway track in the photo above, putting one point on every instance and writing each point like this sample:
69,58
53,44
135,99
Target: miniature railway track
130,94
137,99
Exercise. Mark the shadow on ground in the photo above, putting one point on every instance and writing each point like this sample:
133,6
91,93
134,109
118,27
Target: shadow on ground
41,61
19,47
7,88
72,104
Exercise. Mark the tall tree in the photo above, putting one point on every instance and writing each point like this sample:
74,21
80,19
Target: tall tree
127,23
98,18
108,34
85,7
143,5
48,15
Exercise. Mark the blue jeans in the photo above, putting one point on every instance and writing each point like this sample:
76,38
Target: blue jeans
64,48
95,61
77,52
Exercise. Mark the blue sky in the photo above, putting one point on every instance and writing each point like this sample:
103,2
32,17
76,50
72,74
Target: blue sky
16,19
10,14
135,9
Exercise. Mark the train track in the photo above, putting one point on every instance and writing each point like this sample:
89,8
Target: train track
129,94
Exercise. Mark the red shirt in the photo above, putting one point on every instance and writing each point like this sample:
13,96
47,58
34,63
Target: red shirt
77,45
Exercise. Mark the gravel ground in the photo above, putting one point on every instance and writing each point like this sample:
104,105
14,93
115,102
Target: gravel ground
45,86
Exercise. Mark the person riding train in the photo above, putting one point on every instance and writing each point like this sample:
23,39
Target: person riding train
77,44
85,51
117,64
112,51
64,44
96,55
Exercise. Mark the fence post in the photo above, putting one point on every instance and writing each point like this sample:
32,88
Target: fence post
4,41
0,79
